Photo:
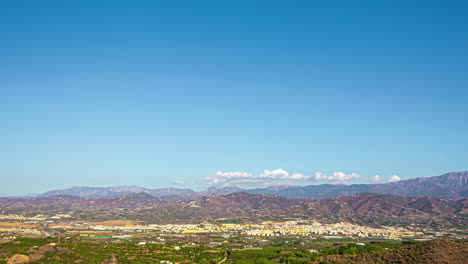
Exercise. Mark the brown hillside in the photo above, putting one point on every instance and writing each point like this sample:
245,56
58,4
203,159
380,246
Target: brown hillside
436,251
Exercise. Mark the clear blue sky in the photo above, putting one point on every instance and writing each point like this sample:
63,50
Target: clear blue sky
104,93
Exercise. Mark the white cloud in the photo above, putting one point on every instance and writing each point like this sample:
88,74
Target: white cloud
223,177
343,177
376,178
282,174
394,178
337,177
320,176
274,177
267,178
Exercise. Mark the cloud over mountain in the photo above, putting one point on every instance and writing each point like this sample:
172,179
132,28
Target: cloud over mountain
394,178
274,177
268,177
336,177
376,178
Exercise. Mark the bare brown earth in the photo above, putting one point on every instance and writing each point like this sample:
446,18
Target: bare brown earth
17,225
38,254
18,259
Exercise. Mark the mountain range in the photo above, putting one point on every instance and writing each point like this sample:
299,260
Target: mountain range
99,192
452,185
365,209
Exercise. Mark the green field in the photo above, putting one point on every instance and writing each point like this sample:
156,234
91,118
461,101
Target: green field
237,250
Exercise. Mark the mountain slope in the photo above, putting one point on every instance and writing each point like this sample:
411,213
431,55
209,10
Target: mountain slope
366,208
434,251
175,194
452,185
99,192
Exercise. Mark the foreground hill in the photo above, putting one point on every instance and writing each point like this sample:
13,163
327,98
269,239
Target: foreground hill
452,185
434,251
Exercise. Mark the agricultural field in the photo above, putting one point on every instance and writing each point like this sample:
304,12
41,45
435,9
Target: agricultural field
214,249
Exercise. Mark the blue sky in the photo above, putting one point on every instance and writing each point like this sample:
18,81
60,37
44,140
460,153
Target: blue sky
103,93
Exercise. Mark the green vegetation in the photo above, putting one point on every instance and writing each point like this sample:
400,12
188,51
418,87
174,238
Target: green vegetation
238,250
22,245
294,255
434,251
130,252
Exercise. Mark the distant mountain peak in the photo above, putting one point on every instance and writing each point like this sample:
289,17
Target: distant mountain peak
452,185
